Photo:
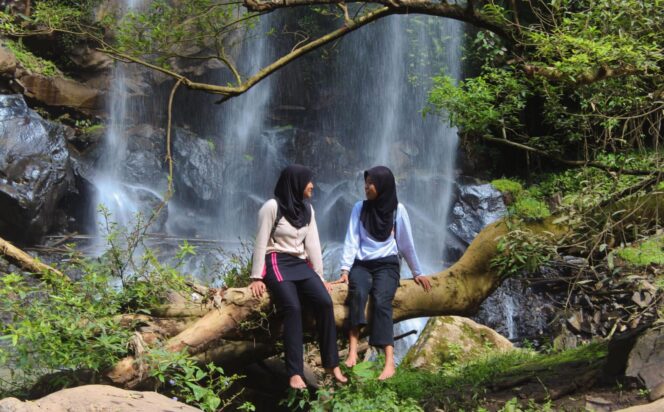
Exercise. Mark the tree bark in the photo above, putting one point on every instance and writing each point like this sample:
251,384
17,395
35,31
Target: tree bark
220,334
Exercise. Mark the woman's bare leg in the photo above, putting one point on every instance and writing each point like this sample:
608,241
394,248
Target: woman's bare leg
389,369
353,339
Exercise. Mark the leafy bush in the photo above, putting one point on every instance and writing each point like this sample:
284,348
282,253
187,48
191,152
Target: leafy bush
54,324
522,250
181,376
363,393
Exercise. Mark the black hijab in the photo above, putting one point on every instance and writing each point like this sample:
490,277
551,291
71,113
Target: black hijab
289,193
377,215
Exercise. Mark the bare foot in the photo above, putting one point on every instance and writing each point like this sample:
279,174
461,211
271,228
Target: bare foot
296,382
336,372
388,371
351,360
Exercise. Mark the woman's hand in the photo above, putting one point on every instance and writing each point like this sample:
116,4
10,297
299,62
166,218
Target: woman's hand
343,278
257,288
423,281
328,286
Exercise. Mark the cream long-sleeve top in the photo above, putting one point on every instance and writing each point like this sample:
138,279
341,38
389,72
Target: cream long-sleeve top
302,243
361,246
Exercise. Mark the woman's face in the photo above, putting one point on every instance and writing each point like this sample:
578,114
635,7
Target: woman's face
309,190
370,189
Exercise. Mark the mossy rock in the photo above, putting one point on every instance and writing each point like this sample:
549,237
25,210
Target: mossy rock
453,339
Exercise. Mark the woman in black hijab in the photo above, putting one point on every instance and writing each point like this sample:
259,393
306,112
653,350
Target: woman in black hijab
379,231
288,262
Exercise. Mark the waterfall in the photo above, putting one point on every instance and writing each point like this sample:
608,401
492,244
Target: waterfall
366,111
108,179
383,75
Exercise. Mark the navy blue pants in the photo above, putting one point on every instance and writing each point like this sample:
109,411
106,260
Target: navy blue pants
291,281
378,278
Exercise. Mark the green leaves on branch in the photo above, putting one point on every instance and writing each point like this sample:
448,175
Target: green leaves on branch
480,105
582,77
190,29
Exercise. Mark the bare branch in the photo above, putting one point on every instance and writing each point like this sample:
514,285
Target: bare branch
576,163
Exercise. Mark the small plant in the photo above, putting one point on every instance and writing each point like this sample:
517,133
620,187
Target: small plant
529,208
180,375
507,186
522,250
236,268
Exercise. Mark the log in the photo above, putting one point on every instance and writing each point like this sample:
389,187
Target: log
458,290
26,262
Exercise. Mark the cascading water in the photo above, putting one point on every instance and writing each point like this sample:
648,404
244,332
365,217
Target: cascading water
384,72
377,84
108,179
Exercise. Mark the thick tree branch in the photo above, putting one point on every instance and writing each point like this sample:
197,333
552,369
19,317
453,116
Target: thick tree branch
232,91
432,8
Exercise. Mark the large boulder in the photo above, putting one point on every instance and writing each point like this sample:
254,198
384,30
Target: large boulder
453,339
35,170
97,398
61,92
646,361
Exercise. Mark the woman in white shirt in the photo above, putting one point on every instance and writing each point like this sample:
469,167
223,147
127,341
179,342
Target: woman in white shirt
379,230
286,243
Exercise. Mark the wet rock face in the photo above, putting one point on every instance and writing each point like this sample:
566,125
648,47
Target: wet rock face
35,170
199,174
517,311
475,206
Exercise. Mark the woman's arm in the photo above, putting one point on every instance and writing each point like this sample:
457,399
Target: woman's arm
312,246
266,216
352,241
405,244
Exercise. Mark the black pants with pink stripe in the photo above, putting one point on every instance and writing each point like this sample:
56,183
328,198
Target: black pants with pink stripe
291,281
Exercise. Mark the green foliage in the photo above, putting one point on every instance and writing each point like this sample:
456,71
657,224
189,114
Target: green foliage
182,377
363,393
522,250
577,78
54,324
236,268
465,382
165,30
29,61
513,405
480,105
645,253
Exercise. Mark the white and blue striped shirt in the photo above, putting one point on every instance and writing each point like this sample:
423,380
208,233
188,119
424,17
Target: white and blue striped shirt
361,246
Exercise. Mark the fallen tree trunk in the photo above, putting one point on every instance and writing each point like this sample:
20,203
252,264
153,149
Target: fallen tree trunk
458,290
